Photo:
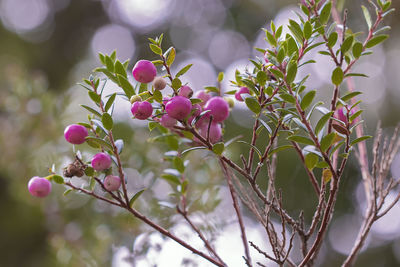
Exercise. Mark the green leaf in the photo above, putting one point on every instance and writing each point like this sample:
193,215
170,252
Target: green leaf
212,89
300,139
276,73
291,71
171,178
355,115
120,69
292,46
337,76
311,160
178,164
327,140
57,179
281,55
218,148
254,148
325,13
91,110
307,30
350,96
253,104
332,39
321,123
102,58
156,50
288,98
307,99
126,86
270,38
152,125
357,49
110,101
262,77
99,142
135,197
184,70
107,121
171,57
360,139
295,28
193,148
109,64
356,75
376,40
277,149
266,126
220,77
66,192
367,16
95,97
89,171
347,44
176,83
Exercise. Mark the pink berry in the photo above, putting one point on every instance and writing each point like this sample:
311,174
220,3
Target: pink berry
112,182
242,90
186,91
178,107
144,71
215,131
101,161
39,187
75,134
203,95
218,107
167,121
141,110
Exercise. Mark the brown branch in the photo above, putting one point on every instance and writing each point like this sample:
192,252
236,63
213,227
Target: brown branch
200,234
238,213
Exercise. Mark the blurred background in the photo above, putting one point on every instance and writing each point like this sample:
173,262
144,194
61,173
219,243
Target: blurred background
47,46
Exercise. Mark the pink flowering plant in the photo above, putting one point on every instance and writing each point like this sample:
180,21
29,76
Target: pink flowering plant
286,115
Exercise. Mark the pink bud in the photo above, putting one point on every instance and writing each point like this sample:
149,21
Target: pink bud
215,131
101,161
167,121
178,107
218,107
39,187
141,110
186,91
203,95
266,57
75,134
144,71
242,90
112,182
341,114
